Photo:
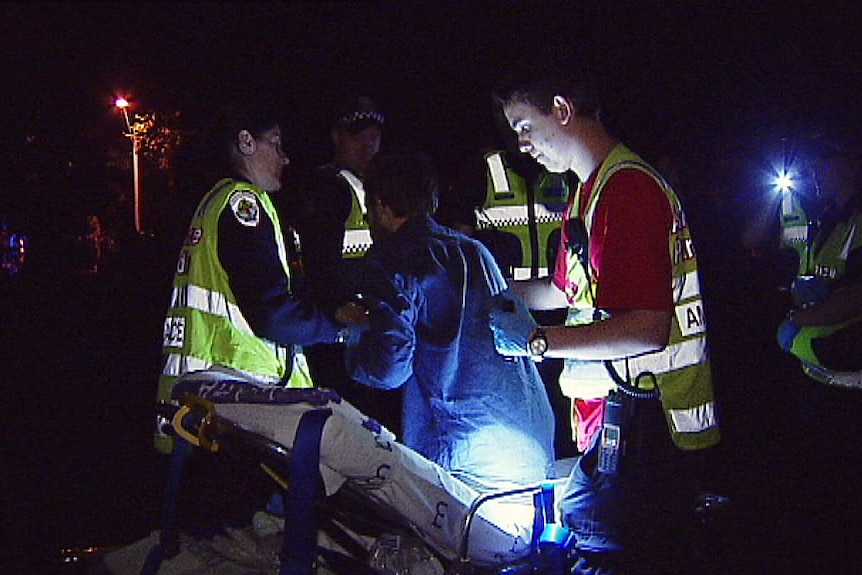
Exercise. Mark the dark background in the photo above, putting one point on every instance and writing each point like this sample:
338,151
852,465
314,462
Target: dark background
711,94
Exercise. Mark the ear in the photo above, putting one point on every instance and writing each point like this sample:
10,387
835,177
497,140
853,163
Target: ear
246,143
562,110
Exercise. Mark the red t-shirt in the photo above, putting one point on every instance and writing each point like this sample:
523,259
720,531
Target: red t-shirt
628,244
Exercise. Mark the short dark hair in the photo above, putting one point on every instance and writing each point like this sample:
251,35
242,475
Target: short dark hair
257,119
207,150
404,182
537,84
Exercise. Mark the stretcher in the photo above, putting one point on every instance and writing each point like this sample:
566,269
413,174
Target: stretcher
349,498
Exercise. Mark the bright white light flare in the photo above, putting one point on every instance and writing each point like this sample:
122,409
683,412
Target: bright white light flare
784,182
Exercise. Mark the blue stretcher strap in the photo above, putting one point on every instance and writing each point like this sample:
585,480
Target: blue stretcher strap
169,544
538,519
299,548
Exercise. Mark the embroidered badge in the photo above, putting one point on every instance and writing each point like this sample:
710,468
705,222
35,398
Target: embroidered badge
194,236
245,208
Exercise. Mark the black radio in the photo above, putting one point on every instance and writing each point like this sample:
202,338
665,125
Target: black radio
612,439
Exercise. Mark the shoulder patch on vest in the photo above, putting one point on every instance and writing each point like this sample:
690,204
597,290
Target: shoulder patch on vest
245,208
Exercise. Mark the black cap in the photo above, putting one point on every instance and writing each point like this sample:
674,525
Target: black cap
357,114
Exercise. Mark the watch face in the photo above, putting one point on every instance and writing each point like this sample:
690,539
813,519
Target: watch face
539,344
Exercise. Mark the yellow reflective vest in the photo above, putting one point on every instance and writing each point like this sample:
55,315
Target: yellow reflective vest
681,370
204,326
827,258
532,213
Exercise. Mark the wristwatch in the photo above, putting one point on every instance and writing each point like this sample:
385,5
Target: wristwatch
342,335
538,344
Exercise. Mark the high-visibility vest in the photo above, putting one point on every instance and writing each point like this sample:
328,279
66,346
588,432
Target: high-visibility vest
357,235
204,326
829,261
795,230
681,371
531,213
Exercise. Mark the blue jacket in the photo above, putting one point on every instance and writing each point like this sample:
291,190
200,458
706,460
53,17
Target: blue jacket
481,416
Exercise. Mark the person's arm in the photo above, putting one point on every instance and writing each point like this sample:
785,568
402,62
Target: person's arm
383,357
841,305
627,334
249,255
539,294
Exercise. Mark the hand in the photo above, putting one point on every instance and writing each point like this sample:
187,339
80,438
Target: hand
351,313
809,290
787,332
512,324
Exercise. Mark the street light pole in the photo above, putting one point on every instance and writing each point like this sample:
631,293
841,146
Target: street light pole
123,105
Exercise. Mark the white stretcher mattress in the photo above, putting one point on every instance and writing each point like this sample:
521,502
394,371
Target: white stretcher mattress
433,501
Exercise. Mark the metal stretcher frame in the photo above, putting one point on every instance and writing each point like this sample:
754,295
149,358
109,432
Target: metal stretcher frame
197,423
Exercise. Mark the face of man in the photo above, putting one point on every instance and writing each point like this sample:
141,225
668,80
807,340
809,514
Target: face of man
355,150
264,159
540,135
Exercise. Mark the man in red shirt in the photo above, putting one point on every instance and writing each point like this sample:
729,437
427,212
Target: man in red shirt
635,336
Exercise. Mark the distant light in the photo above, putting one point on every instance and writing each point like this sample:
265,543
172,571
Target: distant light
121,103
784,182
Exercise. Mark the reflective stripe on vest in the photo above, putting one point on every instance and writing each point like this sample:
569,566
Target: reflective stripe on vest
675,356
357,235
852,236
521,273
509,216
177,365
211,302
498,174
795,230
357,187
356,242
794,224
694,419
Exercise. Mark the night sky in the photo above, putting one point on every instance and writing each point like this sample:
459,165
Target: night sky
719,89
685,76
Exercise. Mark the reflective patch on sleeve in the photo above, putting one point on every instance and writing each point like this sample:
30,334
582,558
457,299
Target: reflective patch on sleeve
245,208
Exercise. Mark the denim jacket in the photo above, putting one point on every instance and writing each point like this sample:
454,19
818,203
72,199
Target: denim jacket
479,415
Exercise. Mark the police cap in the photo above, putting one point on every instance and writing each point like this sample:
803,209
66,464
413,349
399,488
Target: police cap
357,114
